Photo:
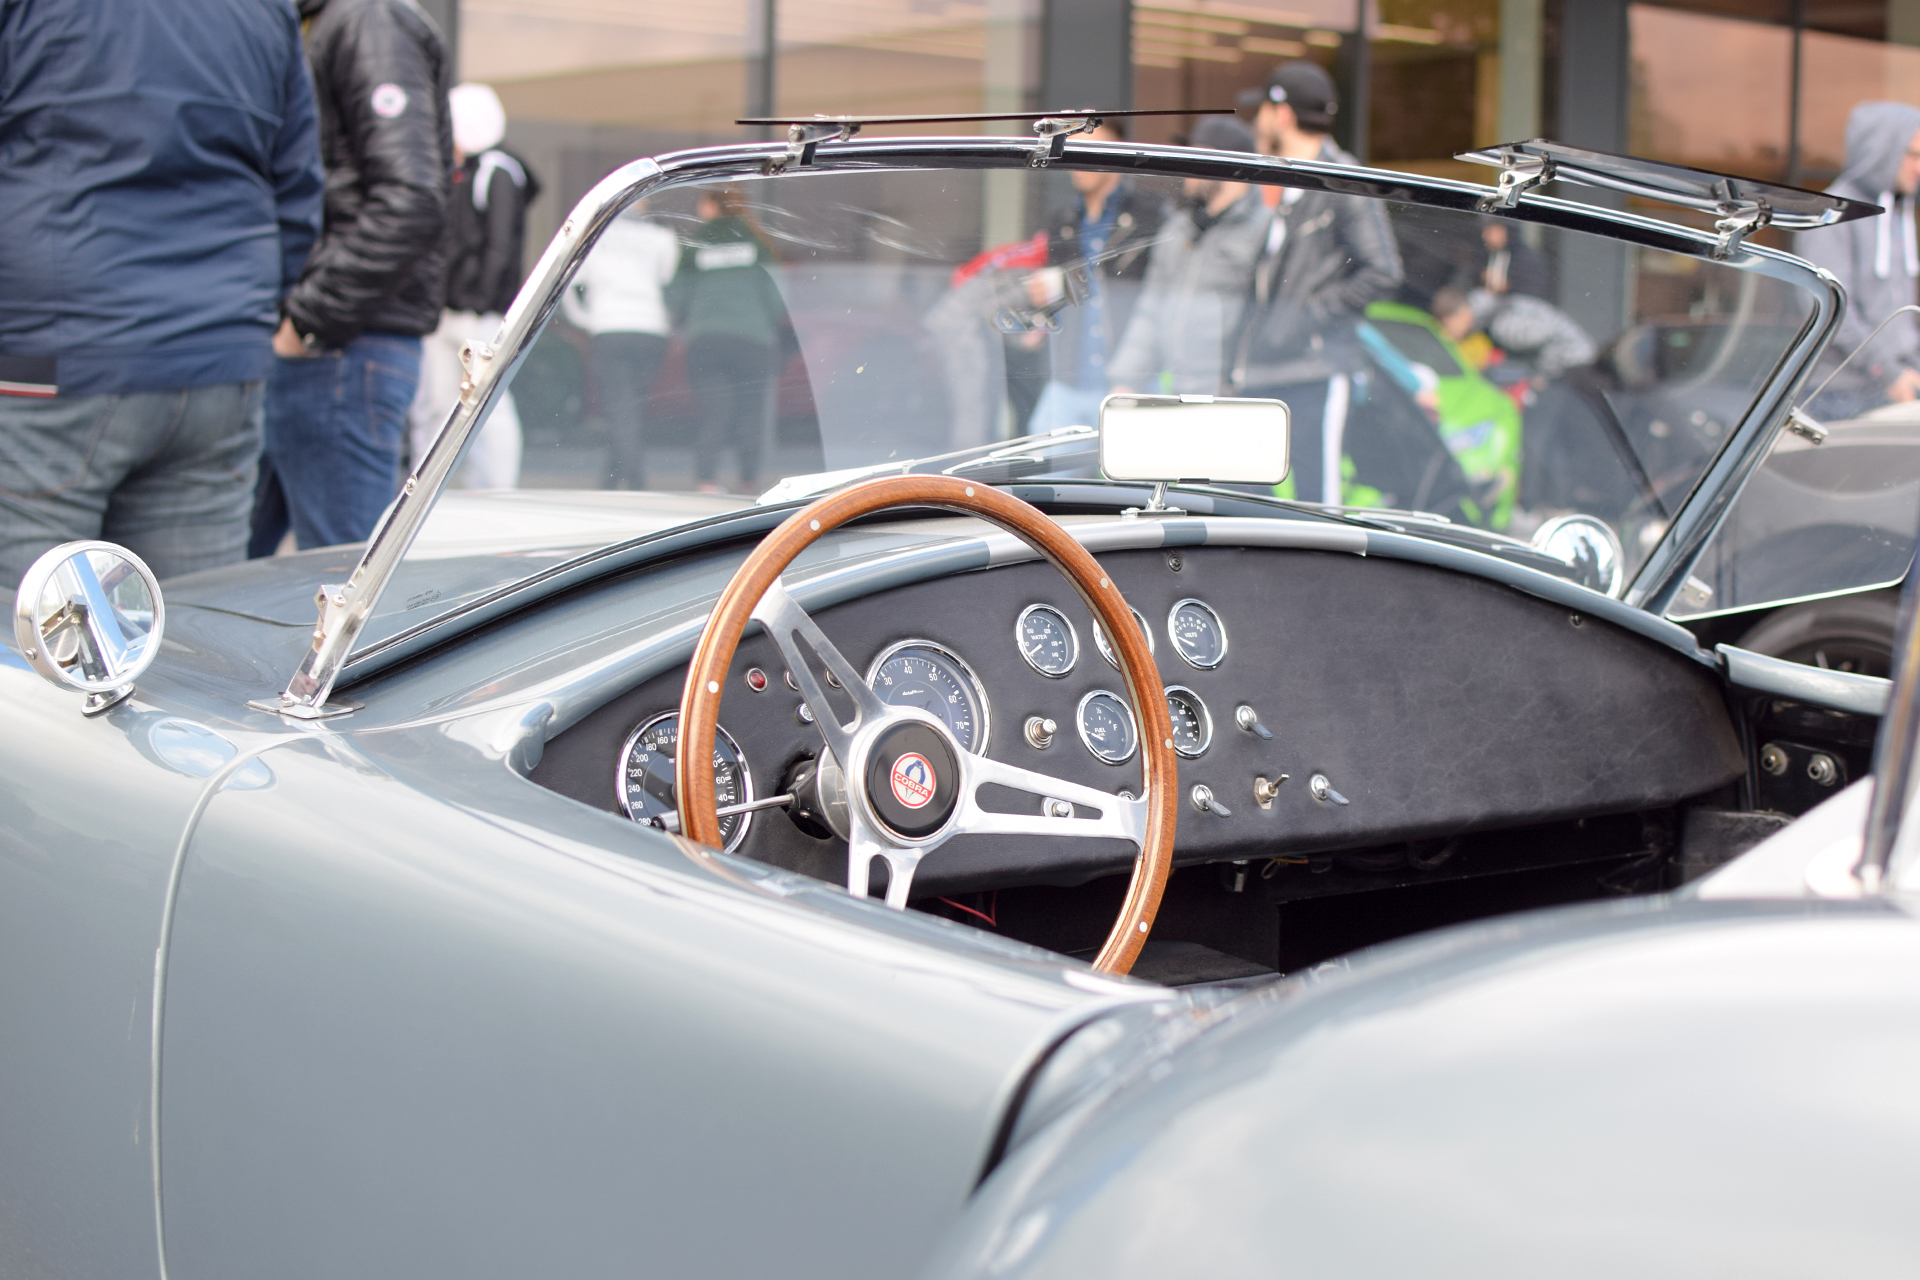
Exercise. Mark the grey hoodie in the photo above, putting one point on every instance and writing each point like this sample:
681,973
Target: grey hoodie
1875,258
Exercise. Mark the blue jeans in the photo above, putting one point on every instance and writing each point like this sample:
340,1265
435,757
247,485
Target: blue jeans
1062,405
336,424
167,474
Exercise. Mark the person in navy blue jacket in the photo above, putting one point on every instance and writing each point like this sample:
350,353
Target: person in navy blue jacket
160,187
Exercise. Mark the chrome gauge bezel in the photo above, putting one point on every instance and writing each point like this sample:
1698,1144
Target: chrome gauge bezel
746,773
1080,726
965,668
1206,722
1073,640
1173,637
1106,649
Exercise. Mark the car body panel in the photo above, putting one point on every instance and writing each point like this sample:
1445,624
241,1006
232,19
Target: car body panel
1654,1088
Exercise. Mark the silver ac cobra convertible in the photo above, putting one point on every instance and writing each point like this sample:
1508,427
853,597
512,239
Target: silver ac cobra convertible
969,850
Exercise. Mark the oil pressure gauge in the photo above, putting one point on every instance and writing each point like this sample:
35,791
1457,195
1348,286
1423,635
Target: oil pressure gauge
1192,722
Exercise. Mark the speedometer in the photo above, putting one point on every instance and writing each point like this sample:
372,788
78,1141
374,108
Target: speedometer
922,674
645,781
1106,726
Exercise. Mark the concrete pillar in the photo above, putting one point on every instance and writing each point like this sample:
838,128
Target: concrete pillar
1594,276
1521,51
1008,73
1086,54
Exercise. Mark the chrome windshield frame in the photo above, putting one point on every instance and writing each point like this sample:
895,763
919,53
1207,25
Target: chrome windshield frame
346,608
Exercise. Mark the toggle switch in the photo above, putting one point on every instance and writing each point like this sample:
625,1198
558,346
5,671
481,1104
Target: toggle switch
1249,719
1203,800
1321,789
1264,790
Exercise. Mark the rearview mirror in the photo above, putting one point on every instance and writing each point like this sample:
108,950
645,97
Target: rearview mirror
88,617
1193,439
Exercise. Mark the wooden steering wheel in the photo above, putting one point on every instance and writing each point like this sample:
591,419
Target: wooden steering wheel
910,786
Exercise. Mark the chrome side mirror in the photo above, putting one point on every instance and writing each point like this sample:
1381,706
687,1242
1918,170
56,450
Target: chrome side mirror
89,618
1589,547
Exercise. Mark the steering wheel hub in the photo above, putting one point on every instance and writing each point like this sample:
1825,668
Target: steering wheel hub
912,779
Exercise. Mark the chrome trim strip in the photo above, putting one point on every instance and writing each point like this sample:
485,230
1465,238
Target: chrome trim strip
346,608
1834,690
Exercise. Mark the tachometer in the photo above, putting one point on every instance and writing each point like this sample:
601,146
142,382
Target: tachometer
1192,722
1106,726
1197,633
919,673
1106,650
645,781
1047,640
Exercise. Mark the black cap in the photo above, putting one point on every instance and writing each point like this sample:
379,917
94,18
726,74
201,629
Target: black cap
1308,89
1223,133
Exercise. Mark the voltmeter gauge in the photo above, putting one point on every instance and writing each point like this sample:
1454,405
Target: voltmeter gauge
1197,633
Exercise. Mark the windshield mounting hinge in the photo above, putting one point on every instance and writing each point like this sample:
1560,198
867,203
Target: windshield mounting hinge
1054,132
803,139
1738,220
1806,427
1519,174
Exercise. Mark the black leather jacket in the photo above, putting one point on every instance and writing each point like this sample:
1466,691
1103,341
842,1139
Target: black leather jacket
1336,255
380,80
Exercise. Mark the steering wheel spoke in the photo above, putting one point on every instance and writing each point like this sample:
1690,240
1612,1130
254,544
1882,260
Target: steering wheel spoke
1095,814
789,625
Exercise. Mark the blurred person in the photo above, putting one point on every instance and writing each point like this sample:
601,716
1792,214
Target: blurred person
1323,258
619,298
1196,285
729,312
1526,328
1876,259
486,237
146,254
1512,265
349,340
1097,255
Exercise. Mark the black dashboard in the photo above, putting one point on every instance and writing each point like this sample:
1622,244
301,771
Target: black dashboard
1433,703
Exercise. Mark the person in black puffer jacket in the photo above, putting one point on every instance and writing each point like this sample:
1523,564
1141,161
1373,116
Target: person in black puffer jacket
349,343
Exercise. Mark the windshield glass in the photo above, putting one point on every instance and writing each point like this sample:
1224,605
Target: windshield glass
728,342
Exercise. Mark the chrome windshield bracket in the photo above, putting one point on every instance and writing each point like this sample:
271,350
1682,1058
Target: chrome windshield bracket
1519,174
805,139
1738,220
1806,427
1054,132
